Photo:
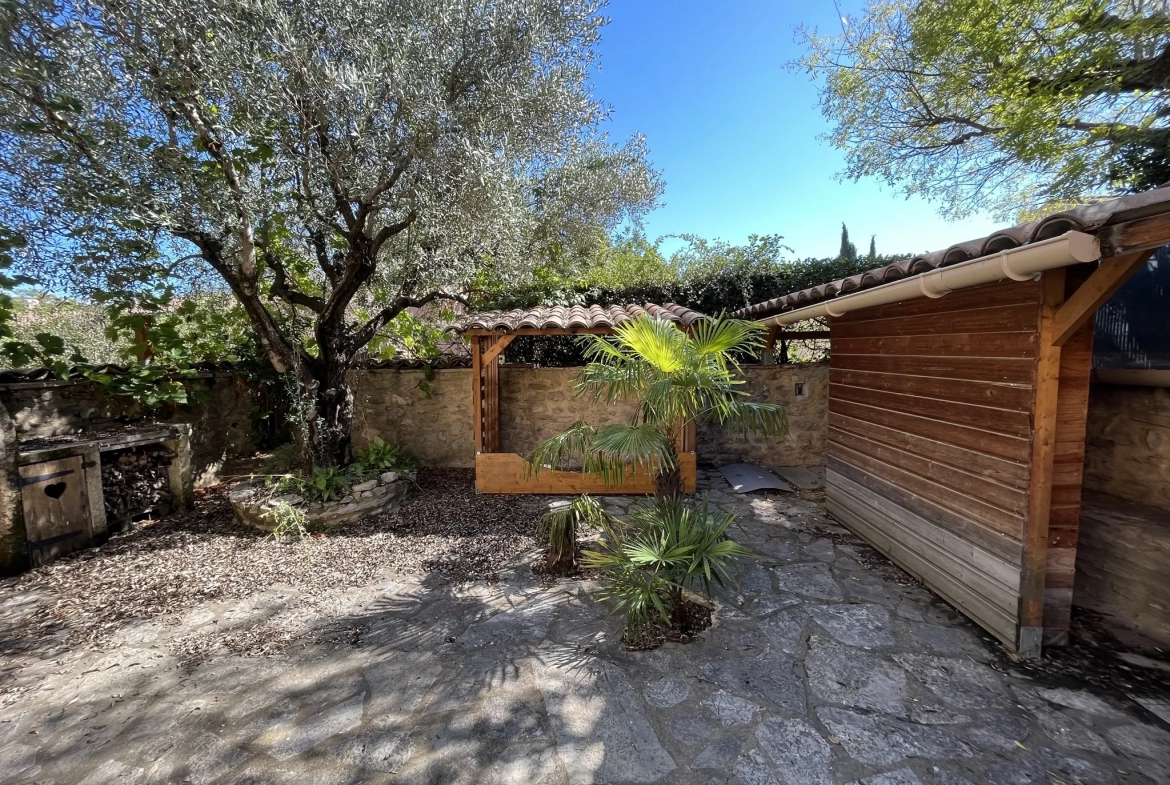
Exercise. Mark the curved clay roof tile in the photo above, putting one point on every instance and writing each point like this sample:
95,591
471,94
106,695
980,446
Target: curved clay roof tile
1055,226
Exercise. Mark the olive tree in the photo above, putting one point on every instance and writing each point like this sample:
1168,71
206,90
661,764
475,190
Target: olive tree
331,162
1007,105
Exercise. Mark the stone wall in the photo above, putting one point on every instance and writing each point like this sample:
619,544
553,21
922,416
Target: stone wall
222,425
808,420
536,403
431,419
1127,451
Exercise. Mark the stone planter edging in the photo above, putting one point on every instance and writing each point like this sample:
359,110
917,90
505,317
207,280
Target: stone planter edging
255,508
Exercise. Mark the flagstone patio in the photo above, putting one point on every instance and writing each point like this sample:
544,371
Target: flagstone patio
826,665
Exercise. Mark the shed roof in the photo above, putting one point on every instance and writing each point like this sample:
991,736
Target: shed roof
559,318
1090,218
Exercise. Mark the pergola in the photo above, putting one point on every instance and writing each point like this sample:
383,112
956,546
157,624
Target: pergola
489,333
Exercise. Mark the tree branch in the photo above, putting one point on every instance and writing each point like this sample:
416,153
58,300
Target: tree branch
367,331
392,229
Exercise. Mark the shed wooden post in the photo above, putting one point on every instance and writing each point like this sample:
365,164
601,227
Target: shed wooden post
1046,397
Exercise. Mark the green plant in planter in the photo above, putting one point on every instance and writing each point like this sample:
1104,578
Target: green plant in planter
559,529
326,484
667,548
290,522
381,457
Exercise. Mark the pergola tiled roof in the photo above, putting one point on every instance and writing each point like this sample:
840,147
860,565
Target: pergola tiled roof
1092,219
561,318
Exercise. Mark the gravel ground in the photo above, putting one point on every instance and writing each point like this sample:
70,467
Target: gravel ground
169,567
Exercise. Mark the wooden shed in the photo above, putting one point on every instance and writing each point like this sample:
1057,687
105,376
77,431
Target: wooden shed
958,397
489,334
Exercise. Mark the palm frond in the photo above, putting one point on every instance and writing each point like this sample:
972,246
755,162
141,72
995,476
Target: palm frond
745,417
718,338
614,448
656,341
556,451
611,381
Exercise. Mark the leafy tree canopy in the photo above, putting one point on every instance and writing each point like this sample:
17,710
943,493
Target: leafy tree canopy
331,163
1005,105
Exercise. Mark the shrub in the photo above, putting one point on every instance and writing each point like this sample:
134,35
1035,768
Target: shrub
380,457
667,548
323,485
559,529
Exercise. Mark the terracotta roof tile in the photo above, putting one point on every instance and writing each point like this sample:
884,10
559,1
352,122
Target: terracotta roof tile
1090,218
559,317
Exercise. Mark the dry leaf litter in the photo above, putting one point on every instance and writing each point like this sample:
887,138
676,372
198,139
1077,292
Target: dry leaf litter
166,569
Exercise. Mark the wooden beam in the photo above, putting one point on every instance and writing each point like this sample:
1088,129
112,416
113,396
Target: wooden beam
1040,475
769,357
477,394
1143,234
803,335
496,349
491,407
1092,294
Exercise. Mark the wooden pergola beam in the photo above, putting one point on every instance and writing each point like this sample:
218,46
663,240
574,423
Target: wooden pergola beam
496,349
1092,294
803,335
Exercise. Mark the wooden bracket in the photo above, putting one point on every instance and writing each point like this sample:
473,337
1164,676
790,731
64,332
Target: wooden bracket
496,349
1093,293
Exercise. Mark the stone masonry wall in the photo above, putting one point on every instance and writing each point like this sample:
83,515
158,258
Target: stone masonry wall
1127,452
222,423
808,420
435,430
536,403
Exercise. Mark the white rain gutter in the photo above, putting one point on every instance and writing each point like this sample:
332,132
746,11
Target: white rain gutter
1018,264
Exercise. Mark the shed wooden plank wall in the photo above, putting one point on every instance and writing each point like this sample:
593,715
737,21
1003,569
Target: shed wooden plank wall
930,440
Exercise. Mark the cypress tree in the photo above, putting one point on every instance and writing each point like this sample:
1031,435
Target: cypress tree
848,249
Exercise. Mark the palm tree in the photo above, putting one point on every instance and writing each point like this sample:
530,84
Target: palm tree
677,378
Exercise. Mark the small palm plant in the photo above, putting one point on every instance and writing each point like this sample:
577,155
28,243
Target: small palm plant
559,529
666,549
677,378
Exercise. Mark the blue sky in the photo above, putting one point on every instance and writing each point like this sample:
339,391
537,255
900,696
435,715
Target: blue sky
735,133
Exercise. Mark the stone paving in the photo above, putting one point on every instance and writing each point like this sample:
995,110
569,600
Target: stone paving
819,670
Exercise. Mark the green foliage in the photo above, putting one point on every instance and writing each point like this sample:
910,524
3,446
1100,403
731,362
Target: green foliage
44,349
848,250
559,529
331,164
675,377
666,547
325,484
290,522
379,457
1007,105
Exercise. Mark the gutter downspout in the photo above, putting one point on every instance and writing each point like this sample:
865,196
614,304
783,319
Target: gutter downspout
1025,263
